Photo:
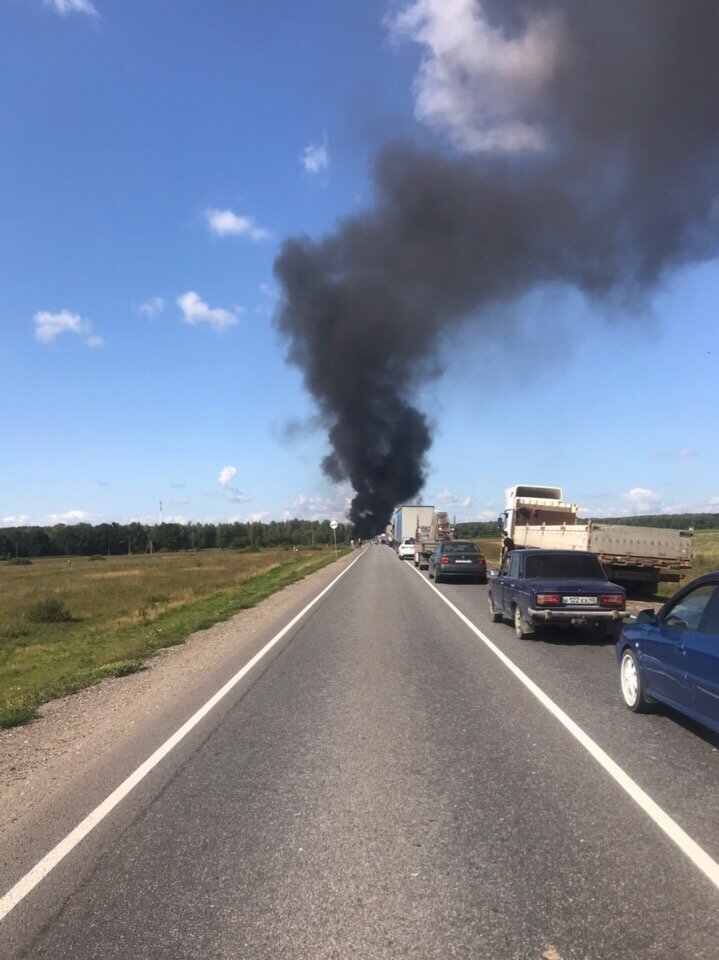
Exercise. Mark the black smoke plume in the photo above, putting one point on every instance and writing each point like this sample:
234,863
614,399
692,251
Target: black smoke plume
624,190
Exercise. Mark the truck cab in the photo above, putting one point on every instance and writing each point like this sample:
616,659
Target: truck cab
533,505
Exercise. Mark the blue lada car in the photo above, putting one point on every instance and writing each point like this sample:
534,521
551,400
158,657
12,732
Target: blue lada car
559,588
673,655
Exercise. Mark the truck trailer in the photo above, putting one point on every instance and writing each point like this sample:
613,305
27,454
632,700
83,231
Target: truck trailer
633,556
407,518
427,537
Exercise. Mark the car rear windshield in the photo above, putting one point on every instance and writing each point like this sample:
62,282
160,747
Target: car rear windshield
459,546
584,566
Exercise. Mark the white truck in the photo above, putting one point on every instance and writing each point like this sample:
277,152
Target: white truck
406,520
638,557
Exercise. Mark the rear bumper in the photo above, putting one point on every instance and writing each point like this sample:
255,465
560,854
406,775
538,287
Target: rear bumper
576,616
474,571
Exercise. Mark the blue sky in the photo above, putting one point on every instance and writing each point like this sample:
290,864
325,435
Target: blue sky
154,155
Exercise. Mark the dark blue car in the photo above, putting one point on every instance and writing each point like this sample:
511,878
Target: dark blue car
673,655
560,588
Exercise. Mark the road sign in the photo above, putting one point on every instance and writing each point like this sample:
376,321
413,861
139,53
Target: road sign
333,524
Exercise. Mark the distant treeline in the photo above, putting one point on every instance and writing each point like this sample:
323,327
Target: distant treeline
672,521
476,531
108,539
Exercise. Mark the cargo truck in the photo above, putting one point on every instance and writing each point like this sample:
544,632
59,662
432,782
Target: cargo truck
428,536
636,557
407,518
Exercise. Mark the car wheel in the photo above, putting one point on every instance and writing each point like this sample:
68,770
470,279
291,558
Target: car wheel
521,627
496,617
631,682
429,572
437,576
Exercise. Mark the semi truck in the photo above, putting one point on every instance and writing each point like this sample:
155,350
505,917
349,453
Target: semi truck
407,518
633,556
428,536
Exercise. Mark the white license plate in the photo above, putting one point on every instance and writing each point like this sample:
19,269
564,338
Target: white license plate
580,601
462,561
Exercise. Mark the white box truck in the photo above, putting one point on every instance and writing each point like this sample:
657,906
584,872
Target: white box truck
638,557
406,520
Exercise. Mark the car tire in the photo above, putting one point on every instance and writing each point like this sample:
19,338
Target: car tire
429,572
631,683
437,576
495,617
522,629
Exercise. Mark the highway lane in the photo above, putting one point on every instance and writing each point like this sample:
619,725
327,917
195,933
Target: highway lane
386,788
673,758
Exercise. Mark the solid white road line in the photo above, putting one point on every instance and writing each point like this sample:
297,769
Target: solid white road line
690,848
22,888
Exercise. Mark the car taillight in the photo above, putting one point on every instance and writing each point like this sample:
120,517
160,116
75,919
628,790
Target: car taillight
611,600
548,599
444,560
479,560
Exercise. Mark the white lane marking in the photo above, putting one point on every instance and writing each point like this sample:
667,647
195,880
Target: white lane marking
22,888
690,848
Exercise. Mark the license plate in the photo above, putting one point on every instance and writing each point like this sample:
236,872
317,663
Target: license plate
462,561
580,601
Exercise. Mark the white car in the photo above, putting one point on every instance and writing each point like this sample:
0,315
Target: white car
405,551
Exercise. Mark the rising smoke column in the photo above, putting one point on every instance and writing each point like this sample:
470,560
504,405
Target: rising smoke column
585,152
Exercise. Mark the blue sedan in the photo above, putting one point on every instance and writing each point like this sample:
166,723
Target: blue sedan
673,656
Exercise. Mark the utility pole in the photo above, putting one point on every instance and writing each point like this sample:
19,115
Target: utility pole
161,511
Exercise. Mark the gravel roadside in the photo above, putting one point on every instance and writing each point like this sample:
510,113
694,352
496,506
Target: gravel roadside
39,760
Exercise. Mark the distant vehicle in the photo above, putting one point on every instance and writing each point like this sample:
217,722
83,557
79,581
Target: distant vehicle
405,551
406,520
673,656
634,556
561,588
459,559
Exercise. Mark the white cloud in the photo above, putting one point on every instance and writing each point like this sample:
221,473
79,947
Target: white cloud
64,7
683,453
17,521
150,308
196,311
318,508
315,158
227,475
261,517
48,326
643,500
72,516
446,499
226,223
476,82
713,502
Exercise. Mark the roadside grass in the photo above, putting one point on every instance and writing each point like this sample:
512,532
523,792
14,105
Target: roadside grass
706,560
122,614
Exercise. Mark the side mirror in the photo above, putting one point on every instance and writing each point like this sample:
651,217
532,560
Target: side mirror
646,616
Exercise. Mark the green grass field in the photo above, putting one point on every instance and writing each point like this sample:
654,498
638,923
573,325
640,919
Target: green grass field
122,610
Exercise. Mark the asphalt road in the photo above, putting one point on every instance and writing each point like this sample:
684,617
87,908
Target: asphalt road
383,786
